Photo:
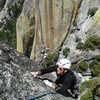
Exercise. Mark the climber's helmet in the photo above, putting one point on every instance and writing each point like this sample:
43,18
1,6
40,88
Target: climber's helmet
64,63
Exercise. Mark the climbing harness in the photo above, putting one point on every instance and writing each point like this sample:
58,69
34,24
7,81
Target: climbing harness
44,93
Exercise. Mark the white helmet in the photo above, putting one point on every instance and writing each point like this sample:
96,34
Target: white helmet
65,63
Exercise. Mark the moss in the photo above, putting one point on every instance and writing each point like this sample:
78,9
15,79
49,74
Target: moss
92,11
66,51
50,59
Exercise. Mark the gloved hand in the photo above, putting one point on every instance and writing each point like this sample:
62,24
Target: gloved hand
48,83
35,74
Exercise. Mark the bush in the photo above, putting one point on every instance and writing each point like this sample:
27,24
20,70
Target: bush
83,66
92,11
96,69
95,66
78,39
91,84
66,51
74,67
50,59
92,43
97,57
87,96
89,45
94,62
8,33
2,36
80,45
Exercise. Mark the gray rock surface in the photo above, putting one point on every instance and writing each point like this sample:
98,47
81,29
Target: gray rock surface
16,82
6,11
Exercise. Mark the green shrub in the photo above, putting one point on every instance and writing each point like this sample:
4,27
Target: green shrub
95,66
92,43
80,45
91,84
92,11
50,59
78,39
87,96
83,66
96,69
74,67
66,51
94,62
97,57
8,33
2,36
89,45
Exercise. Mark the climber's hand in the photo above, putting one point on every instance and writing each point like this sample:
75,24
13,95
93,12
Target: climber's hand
35,74
50,84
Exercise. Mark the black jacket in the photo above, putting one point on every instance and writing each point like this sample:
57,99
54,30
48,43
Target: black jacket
67,80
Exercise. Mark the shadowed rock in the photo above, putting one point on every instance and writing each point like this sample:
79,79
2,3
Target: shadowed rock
16,82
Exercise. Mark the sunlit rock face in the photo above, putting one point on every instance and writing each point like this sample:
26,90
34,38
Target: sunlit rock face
25,27
53,19
87,23
16,83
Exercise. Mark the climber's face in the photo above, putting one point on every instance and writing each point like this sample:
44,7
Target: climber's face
60,70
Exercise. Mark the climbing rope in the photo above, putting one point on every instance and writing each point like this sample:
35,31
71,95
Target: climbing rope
44,93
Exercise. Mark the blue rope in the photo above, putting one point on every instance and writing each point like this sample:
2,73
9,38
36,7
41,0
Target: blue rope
41,95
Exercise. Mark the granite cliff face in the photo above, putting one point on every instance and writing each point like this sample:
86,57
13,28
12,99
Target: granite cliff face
7,8
16,82
56,25
50,25
42,27
53,19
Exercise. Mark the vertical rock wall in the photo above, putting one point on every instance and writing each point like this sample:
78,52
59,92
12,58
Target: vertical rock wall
53,19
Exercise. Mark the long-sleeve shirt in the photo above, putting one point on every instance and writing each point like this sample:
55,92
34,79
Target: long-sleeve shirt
67,80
